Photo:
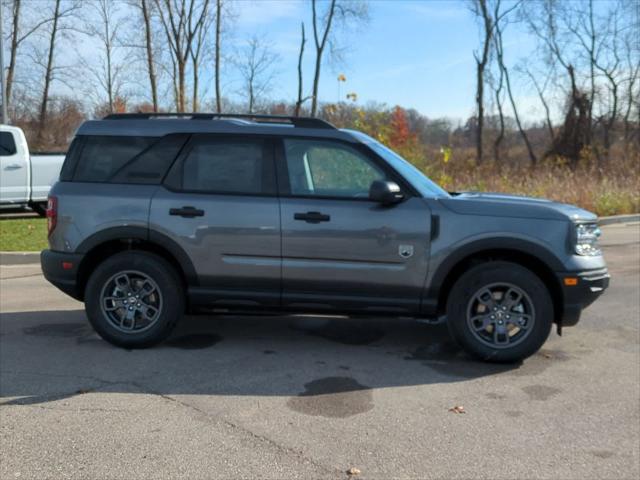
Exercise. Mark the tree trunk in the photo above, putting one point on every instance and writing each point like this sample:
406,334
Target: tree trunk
320,44
500,137
299,101
217,54
181,86
151,69
14,50
481,64
48,76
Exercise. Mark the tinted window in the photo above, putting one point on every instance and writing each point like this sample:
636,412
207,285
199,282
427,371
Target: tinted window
326,168
7,144
225,166
126,159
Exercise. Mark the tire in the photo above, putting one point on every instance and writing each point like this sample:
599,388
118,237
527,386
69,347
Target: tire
500,312
39,208
123,319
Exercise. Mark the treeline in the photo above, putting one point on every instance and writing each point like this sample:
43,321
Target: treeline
172,55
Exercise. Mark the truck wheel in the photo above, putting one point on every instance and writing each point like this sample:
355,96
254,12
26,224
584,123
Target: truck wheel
134,299
40,208
500,312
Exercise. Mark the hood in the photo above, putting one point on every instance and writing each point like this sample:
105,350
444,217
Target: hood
504,205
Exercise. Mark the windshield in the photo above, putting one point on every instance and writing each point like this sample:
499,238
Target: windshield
414,176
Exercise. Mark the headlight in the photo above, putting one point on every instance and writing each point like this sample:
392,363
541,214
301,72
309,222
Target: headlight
587,235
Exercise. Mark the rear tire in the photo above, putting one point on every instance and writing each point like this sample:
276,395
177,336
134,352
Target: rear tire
39,208
134,299
500,312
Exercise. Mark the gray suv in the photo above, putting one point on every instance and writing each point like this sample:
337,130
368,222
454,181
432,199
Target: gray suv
158,215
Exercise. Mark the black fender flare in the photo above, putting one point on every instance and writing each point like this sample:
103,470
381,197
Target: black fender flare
146,235
517,245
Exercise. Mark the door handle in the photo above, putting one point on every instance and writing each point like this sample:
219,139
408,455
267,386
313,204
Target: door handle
312,217
188,212
13,166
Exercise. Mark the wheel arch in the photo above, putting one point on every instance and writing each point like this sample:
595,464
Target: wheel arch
105,243
532,256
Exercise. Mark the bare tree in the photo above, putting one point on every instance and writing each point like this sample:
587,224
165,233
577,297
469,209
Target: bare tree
499,17
181,21
481,10
255,65
145,9
632,94
216,72
540,89
498,91
18,36
198,50
108,68
59,14
300,101
338,11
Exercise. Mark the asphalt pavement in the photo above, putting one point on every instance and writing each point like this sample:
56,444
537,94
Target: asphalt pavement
308,397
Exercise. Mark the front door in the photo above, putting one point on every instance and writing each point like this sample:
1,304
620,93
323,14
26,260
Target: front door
220,204
341,250
14,170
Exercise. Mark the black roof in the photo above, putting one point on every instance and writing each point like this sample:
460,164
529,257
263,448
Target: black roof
159,124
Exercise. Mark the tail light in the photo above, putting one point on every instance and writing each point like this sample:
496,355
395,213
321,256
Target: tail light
52,214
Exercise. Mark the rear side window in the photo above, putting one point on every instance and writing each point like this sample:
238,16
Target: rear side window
7,144
136,160
216,165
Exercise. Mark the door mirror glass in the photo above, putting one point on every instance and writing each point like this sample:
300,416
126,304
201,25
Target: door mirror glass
385,192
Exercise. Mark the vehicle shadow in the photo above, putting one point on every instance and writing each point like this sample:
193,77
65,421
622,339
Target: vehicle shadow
51,355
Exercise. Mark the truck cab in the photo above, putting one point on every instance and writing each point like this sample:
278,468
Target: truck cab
25,180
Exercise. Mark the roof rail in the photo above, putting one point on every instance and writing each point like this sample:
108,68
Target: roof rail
297,122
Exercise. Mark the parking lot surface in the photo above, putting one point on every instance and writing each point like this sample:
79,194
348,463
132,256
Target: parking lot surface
309,397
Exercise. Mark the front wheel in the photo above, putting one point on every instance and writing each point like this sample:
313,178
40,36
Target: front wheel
500,312
134,299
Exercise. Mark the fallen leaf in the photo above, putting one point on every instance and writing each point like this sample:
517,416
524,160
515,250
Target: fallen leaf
457,409
353,471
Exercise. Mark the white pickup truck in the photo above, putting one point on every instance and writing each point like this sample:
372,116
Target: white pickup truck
25,179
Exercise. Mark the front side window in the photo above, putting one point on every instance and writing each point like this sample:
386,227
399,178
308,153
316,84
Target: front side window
330,169
216,165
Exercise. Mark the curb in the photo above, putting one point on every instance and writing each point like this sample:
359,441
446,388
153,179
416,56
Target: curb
619,219
19,258
25,258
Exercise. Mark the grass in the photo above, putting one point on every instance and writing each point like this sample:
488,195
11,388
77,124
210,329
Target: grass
23,235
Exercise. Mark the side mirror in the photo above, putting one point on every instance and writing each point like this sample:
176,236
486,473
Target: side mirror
384,192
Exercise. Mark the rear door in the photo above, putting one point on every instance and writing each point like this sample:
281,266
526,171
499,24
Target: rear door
341,250
220,204
14,170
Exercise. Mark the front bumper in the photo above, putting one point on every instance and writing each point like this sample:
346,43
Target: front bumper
61,269
578,294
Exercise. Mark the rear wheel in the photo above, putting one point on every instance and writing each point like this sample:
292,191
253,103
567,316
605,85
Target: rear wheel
500,311
40,208
134,299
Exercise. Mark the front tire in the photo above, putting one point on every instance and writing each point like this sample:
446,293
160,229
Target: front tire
134,299
500,312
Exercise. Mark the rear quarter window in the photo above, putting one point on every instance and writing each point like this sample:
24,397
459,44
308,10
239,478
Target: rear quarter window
138,160
7,144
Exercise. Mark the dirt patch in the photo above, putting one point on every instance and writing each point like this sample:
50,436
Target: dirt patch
333,397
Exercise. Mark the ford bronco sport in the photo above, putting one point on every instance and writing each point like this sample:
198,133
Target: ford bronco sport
158,215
